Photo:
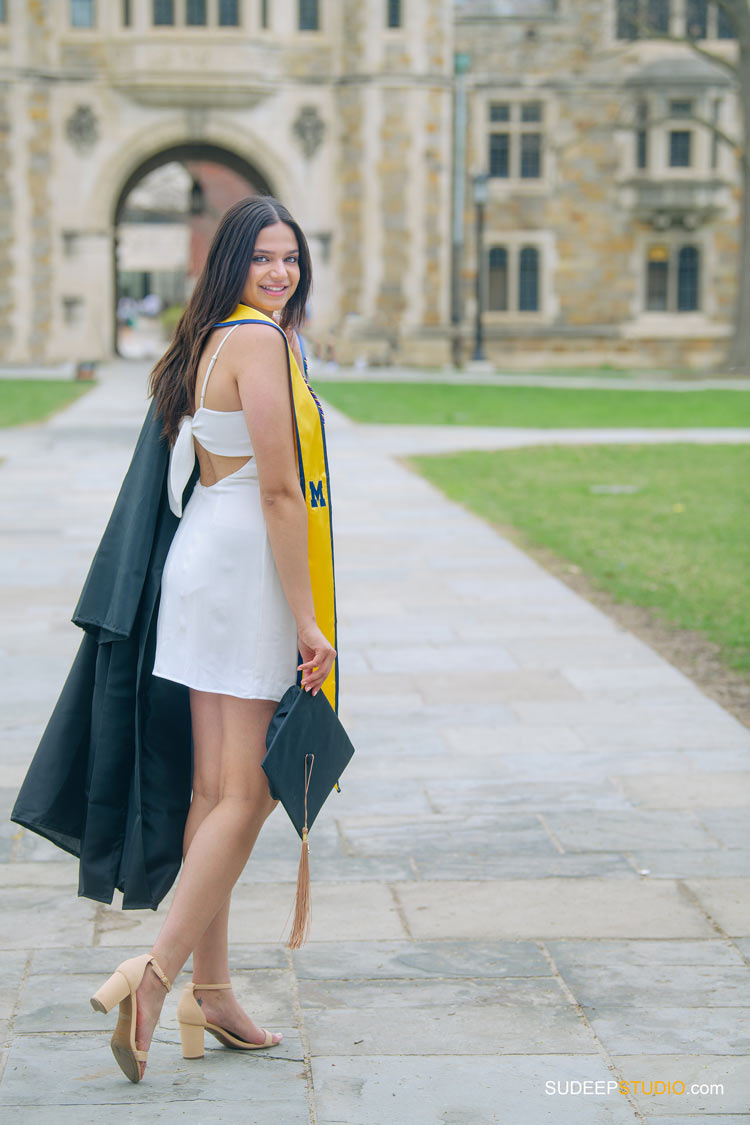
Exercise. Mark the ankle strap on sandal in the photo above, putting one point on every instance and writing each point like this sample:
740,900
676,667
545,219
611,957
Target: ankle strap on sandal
204,987
160,974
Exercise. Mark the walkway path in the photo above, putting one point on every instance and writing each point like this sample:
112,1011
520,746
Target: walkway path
535,874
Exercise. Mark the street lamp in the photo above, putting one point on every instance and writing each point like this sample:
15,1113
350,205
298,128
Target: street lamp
479,195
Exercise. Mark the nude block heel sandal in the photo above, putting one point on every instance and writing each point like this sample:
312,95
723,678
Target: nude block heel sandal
193,1025
121,989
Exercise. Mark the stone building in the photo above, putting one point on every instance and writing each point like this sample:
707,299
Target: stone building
611,222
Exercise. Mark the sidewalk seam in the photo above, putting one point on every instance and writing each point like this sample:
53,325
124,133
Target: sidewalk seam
400,911
304,1038
14,1013
611,1065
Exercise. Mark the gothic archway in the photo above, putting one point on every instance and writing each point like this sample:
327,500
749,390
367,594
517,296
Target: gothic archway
163,221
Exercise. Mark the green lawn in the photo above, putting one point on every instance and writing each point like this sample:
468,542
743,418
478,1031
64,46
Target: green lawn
472,405
664,526
33,400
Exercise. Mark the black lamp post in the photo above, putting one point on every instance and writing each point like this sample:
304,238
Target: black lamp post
479,193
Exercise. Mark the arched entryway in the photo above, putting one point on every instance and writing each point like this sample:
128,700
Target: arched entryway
164,219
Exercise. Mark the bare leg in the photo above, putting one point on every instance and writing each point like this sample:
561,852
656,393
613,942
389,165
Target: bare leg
220,844
211,954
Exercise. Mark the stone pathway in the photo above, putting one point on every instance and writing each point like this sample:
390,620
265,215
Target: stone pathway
535,876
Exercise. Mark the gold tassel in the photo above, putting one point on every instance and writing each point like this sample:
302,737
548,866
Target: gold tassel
303,902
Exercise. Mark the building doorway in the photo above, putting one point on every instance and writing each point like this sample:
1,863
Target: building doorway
165,219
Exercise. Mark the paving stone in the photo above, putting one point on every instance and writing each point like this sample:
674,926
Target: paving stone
261,913
472,795
730,826
727,901
500,686
507,624
416,960
66,920
431,838
656,734
443,995
664,1029
331,869
421,659
451,1031
370,630
37,873
54,1003
442,764
690,791
78,1070
703,1118
512,740
366,704
587,764
644,952
692,864
393,794
625,985
509,865
622,718
12,972
550,908
31,848
424,1090
661,681
731,1071
198,1111
609,831
614,651
743,945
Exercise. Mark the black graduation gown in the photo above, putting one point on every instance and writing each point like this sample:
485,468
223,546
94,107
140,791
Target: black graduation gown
111,779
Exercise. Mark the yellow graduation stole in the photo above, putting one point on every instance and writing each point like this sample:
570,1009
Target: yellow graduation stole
312,459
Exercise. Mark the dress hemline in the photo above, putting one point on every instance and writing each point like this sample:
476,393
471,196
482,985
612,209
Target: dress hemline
274,698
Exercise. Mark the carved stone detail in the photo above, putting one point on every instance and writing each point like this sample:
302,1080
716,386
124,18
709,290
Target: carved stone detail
309,128
82,128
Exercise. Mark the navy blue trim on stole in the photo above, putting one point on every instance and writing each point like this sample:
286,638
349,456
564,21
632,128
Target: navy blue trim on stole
333,576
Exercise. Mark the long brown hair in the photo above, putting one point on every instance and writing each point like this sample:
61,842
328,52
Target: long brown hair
217,293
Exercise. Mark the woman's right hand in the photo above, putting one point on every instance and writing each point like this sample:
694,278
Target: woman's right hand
317,655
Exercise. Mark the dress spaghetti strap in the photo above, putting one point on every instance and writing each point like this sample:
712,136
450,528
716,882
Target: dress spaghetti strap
214,357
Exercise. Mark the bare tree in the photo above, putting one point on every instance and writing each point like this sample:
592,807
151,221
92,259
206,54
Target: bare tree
737,13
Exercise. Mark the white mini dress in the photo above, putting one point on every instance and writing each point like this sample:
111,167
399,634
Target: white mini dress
224,623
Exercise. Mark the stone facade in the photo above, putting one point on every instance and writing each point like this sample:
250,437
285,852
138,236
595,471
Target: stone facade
352,125
593,215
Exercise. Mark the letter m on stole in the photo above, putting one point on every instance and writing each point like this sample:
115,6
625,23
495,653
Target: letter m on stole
317,499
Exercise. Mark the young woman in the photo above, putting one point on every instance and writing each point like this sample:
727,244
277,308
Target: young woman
236,603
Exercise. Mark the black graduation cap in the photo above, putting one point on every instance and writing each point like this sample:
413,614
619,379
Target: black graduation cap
307,750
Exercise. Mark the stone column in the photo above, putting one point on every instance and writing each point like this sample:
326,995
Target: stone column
349,105
40,209
438,40
39,174
393,173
